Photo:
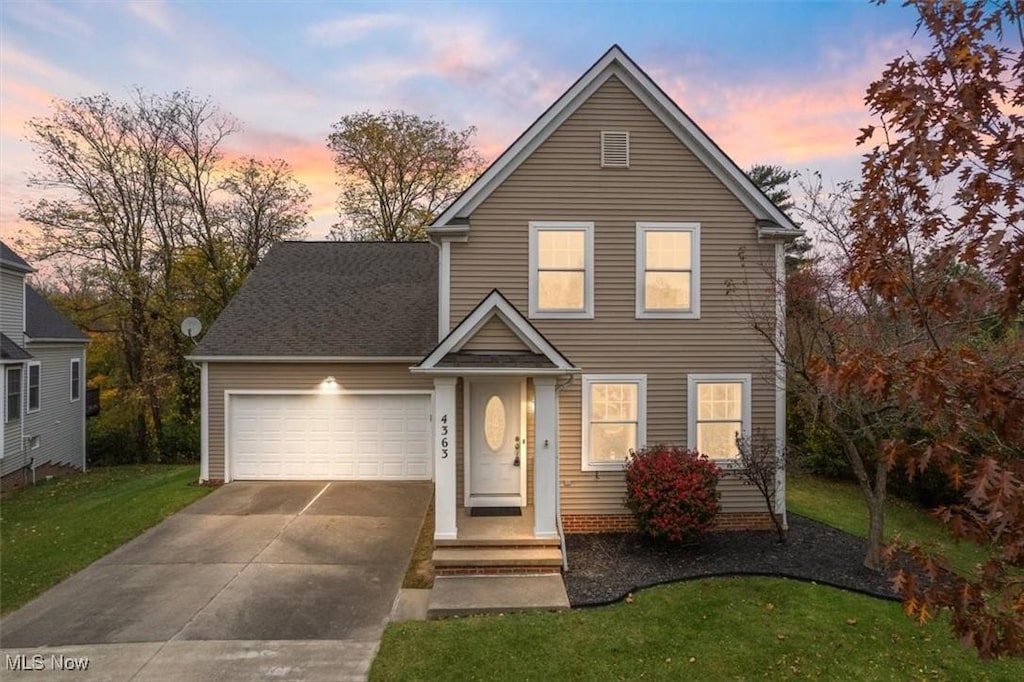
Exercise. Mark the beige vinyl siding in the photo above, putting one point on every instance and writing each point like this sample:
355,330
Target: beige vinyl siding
59,423
297,377
563,180
12,306
495,336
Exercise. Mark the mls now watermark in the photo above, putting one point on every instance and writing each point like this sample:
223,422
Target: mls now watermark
41,662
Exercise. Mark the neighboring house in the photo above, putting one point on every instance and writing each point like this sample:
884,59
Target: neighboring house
43,361
572,305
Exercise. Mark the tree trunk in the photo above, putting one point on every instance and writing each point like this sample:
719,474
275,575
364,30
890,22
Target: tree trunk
876,533
876,517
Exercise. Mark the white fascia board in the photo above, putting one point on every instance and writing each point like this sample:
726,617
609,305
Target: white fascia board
303,359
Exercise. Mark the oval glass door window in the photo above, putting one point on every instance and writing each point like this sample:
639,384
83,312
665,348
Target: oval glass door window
494,422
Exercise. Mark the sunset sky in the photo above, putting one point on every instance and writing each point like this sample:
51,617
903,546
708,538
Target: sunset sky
774,82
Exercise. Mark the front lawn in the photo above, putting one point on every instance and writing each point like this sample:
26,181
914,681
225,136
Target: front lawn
713,629
841,505
56,529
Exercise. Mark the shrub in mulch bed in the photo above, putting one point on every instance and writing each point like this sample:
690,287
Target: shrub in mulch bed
605,567
672,492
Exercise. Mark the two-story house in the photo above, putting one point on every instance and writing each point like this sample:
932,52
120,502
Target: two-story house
43,360
571,306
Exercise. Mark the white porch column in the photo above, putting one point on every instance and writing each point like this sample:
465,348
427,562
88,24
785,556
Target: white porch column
444,458
545,458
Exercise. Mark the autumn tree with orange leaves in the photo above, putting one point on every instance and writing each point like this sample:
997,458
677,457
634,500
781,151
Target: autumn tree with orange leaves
938,242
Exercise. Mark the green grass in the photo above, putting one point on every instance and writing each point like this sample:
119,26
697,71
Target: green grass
715,629
841,504
51,531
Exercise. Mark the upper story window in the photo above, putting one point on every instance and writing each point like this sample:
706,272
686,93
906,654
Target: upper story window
668,270
561,270
34,382
12,409
614,419
76,379
719,413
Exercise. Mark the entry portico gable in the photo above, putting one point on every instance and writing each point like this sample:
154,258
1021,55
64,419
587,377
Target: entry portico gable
493,384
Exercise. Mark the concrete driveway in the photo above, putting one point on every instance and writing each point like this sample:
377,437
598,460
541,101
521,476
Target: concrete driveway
256,580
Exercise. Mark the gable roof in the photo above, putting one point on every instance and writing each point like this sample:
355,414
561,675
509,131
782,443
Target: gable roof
542,354
44,322
615,62
12,260
9,350
331,300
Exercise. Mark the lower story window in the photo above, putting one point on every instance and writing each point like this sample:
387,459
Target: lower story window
614,419
719,413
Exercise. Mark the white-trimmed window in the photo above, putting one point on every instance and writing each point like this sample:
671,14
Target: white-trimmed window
614,419
668,270
76,379
718,407
12,394
561,270
35,373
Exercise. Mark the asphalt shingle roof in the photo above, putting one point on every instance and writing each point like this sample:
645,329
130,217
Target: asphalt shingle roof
43,321
13,260
9,350
498,359
332,299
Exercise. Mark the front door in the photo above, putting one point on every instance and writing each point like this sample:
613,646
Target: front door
496,452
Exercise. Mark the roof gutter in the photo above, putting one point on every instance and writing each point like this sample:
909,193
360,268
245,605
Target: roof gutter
767,229
43,339
354,359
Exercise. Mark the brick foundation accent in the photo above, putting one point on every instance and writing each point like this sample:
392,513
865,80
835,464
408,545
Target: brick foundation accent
23,477
735,522
623,523
598,523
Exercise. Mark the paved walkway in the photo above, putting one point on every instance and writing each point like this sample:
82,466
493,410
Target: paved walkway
256,580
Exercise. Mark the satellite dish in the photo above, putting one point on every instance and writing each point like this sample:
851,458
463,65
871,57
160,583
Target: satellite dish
191,326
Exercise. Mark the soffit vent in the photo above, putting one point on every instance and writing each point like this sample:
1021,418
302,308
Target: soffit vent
614,149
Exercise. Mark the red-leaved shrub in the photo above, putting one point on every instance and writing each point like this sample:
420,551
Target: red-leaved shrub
672,492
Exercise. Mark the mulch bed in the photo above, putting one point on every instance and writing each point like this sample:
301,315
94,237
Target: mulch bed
605,567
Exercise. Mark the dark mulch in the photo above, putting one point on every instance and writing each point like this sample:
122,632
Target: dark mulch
605,567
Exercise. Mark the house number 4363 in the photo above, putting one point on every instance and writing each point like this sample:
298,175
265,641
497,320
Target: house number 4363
444,436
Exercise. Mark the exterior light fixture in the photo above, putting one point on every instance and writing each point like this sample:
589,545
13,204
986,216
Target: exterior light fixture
329,384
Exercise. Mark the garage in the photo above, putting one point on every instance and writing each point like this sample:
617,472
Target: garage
329,437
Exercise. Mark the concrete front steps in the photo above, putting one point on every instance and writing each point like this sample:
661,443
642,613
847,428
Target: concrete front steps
495,576
461,595
492,560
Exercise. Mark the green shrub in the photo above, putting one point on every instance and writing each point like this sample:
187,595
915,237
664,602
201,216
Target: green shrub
672,492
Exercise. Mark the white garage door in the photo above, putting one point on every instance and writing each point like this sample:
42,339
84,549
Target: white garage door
344,437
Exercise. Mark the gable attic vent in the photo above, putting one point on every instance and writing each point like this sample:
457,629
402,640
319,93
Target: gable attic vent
614,149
